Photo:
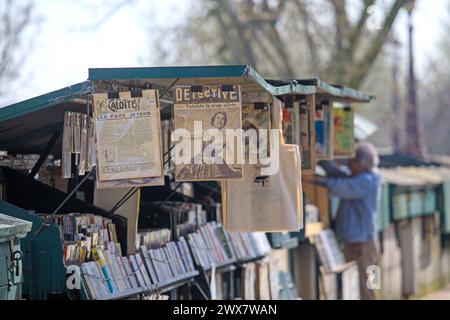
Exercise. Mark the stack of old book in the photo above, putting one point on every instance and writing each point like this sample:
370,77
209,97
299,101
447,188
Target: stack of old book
210,245
111,275
249,246
169,263
83,232
330,254
153,238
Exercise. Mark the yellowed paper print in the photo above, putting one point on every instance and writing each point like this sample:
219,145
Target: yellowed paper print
128,136
197,111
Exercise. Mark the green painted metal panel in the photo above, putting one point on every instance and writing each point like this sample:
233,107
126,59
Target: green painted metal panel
445,214
415,203
45,100
399,205
9,281
232,71
229,71
292,88
430,201
384,212
336,91
43,268
11,230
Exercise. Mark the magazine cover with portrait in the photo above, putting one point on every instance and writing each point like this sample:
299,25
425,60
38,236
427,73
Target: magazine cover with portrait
208,107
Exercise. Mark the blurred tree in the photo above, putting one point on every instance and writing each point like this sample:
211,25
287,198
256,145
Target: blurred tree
278,36
414,138
15,17
435,98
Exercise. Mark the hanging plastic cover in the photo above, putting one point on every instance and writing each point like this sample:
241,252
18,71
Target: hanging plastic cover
266,203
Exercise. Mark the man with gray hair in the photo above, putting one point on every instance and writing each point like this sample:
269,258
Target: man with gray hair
359,193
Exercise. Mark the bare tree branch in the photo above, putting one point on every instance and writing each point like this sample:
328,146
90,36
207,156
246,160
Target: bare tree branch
312,46
240,34
15,18
367,60
357,30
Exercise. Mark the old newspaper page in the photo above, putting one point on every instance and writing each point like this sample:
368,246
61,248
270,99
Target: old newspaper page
211,107
128,136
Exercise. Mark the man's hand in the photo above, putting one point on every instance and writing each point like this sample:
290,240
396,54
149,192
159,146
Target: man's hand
320,181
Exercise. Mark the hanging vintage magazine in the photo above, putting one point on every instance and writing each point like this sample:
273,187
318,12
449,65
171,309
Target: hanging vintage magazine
307,134
266,203
256,108
208,107
343,132
323,117
128,136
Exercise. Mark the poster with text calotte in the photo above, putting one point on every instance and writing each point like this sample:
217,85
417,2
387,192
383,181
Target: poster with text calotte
128,136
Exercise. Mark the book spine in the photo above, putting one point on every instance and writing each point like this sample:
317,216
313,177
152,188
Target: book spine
123,273
98,255
88,279
136,271
141,267
148,264
129,272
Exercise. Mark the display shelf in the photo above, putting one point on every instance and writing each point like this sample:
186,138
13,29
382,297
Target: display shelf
175,283
249,260
160,288
122,295
223,266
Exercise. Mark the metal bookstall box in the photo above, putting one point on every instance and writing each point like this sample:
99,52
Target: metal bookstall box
414,197
443,201
410,193
445,216
429,191
12,230
43,268
384,209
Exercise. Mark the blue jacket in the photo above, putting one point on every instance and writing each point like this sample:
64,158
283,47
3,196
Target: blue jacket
359,198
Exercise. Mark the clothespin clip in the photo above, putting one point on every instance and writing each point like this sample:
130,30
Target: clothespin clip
262,180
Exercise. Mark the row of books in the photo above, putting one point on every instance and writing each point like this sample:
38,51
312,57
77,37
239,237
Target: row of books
192,213
152,238
210,245
168,263
330,254
110,274
83,232
160,262
260,280
249,246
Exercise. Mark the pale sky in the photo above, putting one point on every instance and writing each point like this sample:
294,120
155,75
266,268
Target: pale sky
63,50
